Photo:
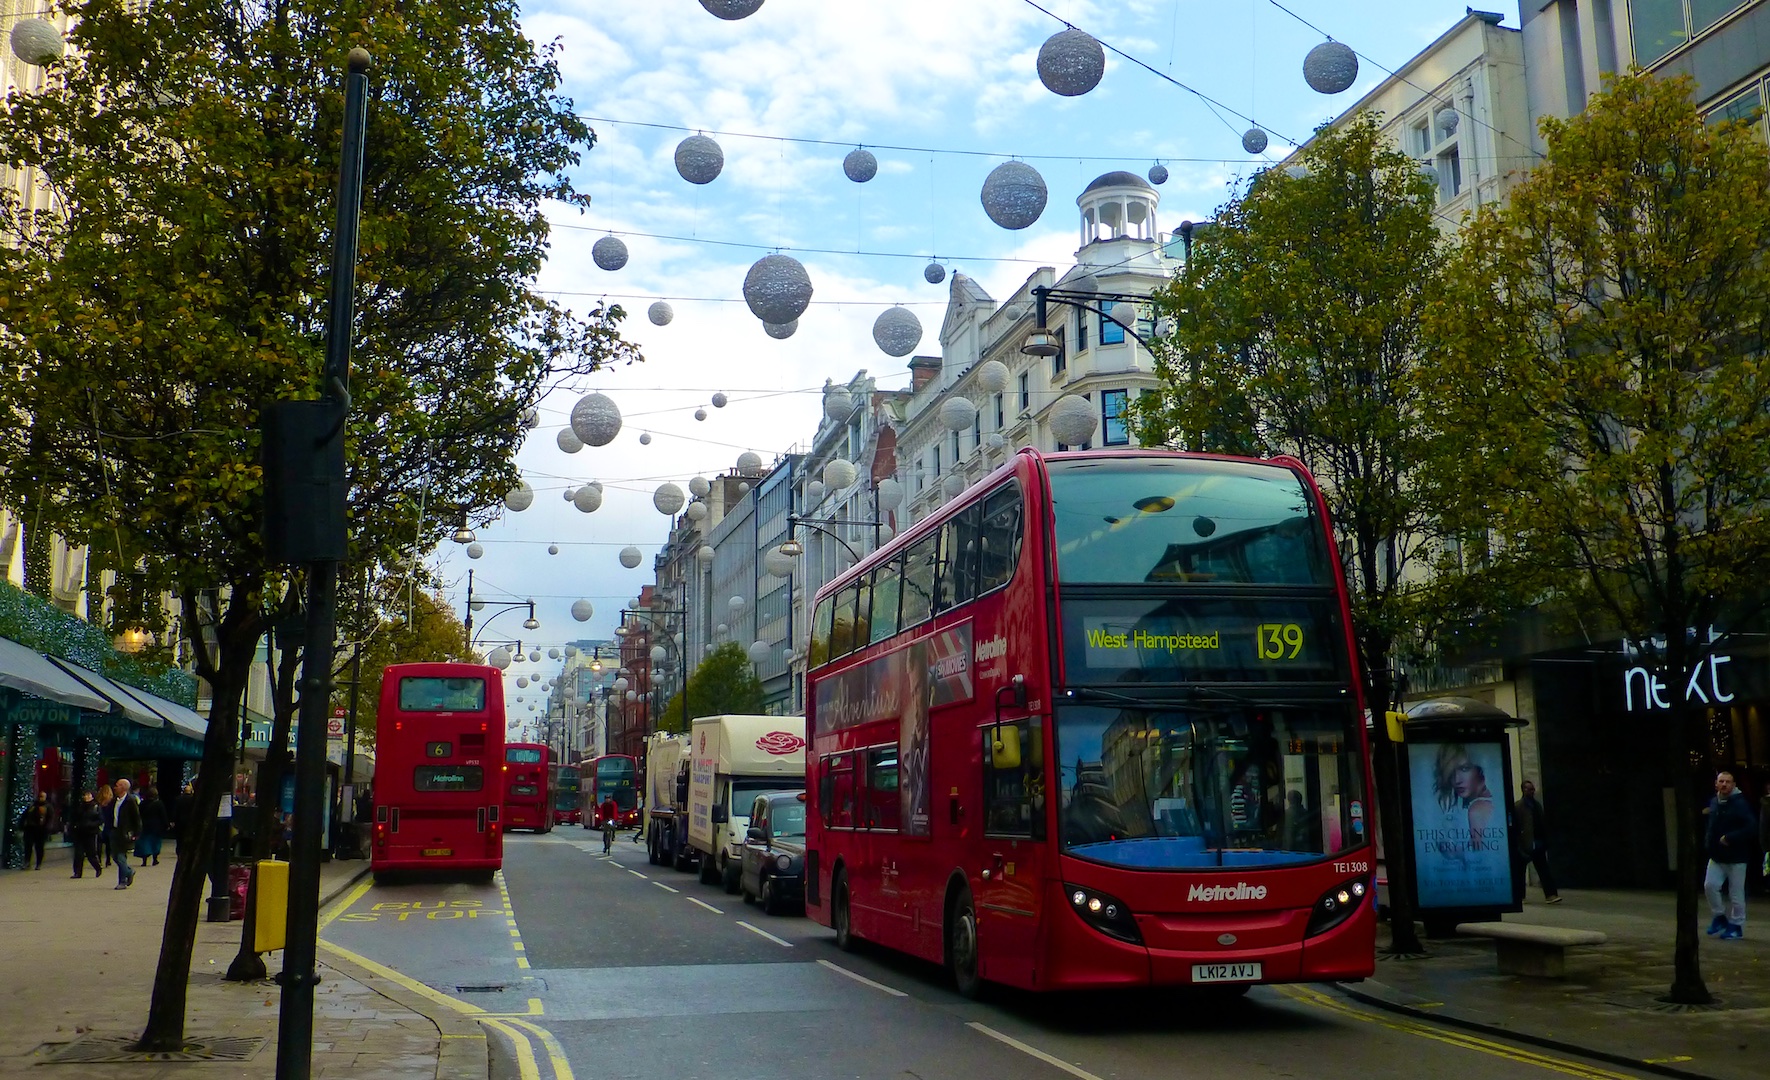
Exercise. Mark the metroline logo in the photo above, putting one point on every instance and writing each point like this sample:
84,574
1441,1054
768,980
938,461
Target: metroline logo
1241,890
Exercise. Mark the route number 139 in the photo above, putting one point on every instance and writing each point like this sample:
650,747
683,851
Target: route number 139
1278,641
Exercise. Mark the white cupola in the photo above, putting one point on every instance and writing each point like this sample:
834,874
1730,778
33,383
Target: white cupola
1118,206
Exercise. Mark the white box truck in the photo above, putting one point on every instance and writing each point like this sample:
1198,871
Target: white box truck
732,760
666,800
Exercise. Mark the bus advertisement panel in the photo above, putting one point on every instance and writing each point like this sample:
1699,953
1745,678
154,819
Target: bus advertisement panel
528,794
613,776
566,809
439,787
1094,723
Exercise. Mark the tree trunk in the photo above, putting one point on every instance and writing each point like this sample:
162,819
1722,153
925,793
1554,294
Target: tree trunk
238,636
1404,937
248,963
1689,750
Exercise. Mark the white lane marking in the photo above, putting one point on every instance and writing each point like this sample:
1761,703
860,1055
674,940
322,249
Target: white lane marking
704,904
637,874
859,978
665,887
764,933
1034,1051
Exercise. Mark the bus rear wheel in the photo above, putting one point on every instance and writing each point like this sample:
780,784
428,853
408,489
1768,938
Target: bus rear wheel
841,920
961,946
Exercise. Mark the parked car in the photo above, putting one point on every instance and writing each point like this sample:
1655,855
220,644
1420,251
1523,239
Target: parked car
773,868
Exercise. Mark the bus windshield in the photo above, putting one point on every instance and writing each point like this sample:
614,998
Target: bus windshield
1222,785
430,694
1137,520
614,779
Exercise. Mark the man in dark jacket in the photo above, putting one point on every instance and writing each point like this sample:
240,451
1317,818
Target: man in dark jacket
1531,845
1731,834
126,829
181,811
86,824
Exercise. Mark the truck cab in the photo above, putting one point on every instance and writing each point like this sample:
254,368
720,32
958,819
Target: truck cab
733,759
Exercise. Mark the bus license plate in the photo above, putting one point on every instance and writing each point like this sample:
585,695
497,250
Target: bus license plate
450,851
1210,973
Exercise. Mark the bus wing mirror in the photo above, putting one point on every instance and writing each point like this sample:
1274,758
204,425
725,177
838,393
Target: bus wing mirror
755,833
1016,694
1004,750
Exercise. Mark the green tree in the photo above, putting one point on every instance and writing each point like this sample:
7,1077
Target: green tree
724,683
1603,345
1296,332
192,149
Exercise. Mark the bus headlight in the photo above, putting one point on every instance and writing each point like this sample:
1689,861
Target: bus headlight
1104,913
1337,905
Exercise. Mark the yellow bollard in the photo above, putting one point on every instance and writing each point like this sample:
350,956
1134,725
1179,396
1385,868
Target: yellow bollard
272,910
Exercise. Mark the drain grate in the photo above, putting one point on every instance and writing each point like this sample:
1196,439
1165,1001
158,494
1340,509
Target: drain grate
483,988
97,1049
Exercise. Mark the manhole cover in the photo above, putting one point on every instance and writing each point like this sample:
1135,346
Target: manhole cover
94,1049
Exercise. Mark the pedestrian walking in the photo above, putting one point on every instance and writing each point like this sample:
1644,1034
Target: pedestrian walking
87,826
154,822
181,812
1531,845
125,830
1731,832
35,823
107,813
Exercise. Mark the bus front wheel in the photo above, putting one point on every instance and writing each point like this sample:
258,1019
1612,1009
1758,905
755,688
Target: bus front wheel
840,919
961,946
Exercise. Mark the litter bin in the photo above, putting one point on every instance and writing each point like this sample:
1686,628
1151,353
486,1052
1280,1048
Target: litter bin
269,926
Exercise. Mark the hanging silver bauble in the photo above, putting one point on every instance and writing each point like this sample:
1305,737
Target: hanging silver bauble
743,489
697,511
1164,326
478,605
37,42
934,273
476,550
890,494
992,376
957,413
736,604
620,685
719,400
587,498
596,419
568,440
1125,312
952,485
897,331
645,438
1073,420
535,655
722,629
839,473
631,556
1430,172
531,418
778,563
760,651
731,10
660,313
1071,63
700,414
838,405
1330,67
499,658
777,288
632,695
610,253
749,463
886,532
553,654
520,497
698,486
705,555
814,493
1253,140
1446,119
781,331
552,549
1158,174
699,159
522,681
994,440
667,498
860,166
1013,195
658,652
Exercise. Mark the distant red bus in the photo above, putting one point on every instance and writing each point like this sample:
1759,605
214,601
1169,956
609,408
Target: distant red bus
1096,723
528,792
439,787
566,809
613,776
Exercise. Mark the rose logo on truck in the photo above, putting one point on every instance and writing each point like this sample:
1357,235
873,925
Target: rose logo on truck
780,743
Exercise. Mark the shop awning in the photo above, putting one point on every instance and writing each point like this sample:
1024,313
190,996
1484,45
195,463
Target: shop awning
30,672
118,698
184,719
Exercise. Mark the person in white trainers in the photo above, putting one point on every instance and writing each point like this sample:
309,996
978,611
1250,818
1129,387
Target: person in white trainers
1731,833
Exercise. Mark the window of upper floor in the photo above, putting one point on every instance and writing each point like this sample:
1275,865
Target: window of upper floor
1747,106
1659,28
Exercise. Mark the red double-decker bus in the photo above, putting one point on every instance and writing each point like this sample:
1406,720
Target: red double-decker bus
566,810
439,787
1095,723
528,789
613,776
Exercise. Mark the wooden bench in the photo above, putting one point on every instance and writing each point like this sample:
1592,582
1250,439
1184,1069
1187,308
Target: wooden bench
1523,949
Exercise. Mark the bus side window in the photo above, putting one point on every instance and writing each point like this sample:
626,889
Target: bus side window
842,632
1013,780
863,613
820,631
1000,542
918,581
887,585
958,557
837,796
883,808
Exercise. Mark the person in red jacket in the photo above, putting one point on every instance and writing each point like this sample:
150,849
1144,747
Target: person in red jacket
610,813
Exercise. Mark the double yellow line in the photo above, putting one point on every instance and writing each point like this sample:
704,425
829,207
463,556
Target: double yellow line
1450,1036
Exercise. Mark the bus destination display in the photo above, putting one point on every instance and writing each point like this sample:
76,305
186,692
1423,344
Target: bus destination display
1238,640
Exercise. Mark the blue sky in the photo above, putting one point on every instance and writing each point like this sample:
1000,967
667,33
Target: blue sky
941,91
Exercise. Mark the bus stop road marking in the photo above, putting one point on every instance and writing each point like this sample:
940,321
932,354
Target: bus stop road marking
665,887
706,905
859,978
764,933
1033,1051
1451,1038
344,905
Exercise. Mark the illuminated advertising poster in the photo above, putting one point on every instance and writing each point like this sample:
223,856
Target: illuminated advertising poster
1459,820
912,743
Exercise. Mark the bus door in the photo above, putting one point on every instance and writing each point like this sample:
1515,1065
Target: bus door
1010,881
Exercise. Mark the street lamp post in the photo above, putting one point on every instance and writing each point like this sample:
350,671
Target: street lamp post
530,623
